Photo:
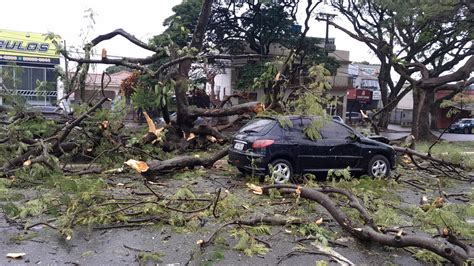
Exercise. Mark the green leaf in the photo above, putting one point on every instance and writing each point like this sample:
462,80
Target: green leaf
10,209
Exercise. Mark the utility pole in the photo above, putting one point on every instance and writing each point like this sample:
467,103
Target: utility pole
327,17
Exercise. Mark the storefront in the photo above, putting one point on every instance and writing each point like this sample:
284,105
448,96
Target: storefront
27,62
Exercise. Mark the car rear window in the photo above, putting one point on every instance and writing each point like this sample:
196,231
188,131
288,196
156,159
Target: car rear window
258,126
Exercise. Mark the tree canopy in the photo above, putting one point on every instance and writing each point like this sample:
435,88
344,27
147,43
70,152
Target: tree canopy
428,39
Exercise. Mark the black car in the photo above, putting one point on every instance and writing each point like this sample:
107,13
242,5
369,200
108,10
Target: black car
264,142
465,125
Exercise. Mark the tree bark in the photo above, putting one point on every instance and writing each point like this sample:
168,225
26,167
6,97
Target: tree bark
152,170
184,66
384,119
422,101
368,231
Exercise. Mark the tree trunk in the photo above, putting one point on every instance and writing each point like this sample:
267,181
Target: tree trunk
384,119
183,120
422,101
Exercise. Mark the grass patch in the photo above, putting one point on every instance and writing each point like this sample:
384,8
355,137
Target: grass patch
451,151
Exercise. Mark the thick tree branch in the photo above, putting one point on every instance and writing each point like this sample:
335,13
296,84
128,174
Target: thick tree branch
127,36
368,232
462,73
153,169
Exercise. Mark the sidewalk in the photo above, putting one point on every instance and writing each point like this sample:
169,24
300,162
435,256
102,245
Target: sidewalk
397,128
397,132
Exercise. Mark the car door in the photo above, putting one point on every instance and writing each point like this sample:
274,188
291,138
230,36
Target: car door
311,153
343,148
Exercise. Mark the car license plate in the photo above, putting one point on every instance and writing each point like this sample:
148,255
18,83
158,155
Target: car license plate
239,146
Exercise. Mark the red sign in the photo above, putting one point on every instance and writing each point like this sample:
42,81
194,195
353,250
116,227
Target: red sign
364,96
351,94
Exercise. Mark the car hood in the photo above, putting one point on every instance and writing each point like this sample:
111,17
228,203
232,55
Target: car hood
370,141
379,139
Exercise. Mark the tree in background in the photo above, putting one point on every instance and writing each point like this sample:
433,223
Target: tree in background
238,26
428,39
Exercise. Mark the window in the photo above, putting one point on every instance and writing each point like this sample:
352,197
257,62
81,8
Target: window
24,78
335,131
258,126
8,76
372,84
37,74
51,78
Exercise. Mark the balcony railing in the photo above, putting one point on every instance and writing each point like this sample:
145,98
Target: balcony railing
28,93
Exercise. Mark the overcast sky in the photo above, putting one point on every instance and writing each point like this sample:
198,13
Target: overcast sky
142,18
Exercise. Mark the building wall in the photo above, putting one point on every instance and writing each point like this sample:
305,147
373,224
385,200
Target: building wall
364,77
340,84
406,103
403,117
340,81
223,83
26,58
93,86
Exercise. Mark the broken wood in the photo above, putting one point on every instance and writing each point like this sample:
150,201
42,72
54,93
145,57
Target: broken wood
152,169
57,141
437,165
369,232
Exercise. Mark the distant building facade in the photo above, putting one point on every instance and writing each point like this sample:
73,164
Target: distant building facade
93,86
364,92
27,62
403,114
226,82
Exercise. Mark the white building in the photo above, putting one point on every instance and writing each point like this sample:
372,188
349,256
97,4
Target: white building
365,91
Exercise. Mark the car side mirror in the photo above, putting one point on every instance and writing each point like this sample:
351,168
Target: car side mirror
352,138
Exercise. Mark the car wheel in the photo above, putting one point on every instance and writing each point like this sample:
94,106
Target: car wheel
466,130
379,166
281,170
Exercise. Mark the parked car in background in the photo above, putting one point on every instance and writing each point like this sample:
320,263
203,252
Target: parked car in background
338,119
263,147
465,125
353,117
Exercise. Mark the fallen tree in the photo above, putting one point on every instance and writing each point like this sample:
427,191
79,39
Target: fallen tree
57,143
154,168
449,247
435,165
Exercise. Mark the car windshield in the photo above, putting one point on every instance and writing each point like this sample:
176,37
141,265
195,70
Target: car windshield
257,126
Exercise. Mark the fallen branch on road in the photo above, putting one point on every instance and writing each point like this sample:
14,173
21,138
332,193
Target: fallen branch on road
152,169
437,165
369,232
